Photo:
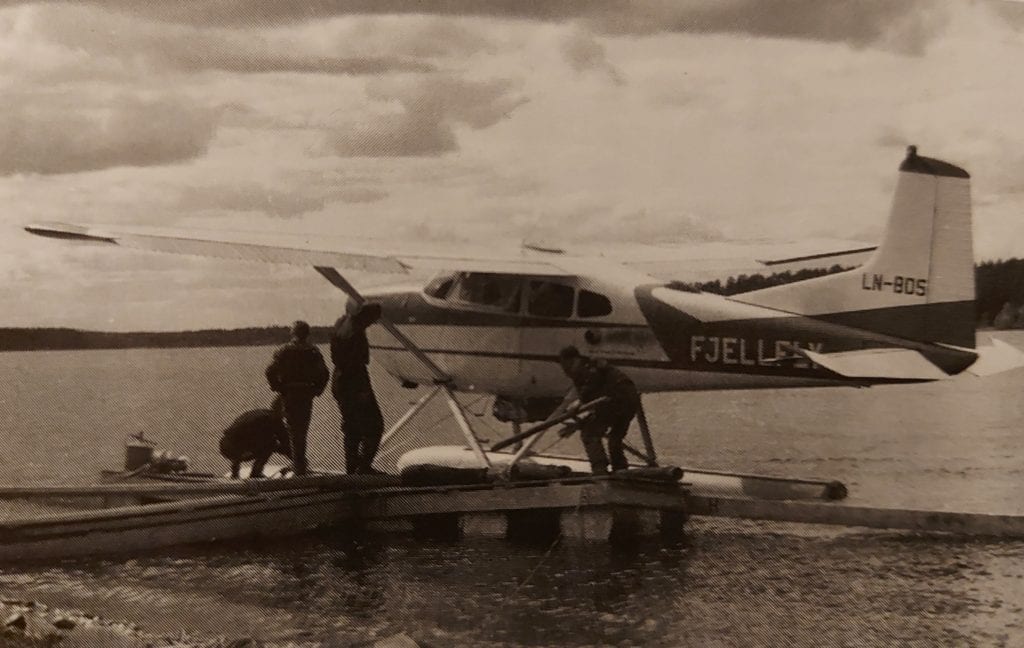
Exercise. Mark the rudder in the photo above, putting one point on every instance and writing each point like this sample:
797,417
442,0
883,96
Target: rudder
919,283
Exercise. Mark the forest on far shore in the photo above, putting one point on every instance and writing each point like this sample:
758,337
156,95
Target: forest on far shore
999,304
999,289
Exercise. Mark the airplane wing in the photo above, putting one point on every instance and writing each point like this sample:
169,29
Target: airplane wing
688,262
348,253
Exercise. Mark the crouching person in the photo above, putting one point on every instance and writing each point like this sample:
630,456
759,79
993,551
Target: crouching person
254,436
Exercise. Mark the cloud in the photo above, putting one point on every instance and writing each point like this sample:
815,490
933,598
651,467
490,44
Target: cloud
597,223
257,197
361,195
906,26
430,108
248,196
584,54
82,34
51,133
406,134
414,36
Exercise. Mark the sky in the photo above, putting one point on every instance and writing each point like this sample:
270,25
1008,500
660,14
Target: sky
665,121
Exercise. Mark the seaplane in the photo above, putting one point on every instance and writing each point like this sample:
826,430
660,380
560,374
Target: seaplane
494,323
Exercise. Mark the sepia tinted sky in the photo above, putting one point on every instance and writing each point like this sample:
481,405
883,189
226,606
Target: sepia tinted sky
658,121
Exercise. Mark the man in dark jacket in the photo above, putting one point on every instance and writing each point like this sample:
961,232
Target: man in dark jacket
593,379
361,422
254,436
299,374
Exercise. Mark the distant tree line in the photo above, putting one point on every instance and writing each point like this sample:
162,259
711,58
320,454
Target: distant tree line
745,283
1000,293
34,339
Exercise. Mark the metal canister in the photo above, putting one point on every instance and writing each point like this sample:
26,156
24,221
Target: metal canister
136,455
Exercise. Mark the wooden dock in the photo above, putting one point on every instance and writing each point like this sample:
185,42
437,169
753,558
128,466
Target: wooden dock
531,509
128,518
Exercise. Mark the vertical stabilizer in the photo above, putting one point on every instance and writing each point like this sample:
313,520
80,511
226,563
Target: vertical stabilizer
919,283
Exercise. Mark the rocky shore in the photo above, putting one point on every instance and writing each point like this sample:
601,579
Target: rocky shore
27,624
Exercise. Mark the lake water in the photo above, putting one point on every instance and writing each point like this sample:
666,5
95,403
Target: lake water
954,446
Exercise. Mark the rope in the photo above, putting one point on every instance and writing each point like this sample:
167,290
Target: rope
546,554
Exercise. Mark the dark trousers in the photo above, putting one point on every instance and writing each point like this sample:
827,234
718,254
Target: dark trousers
259,457
298,409
361,429
258,462
612,419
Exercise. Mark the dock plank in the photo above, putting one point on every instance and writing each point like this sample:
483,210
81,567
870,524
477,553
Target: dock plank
976,524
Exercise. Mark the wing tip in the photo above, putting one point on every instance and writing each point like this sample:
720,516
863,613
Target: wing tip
66,232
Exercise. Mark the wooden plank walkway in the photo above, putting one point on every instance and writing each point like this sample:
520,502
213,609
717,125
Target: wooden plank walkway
283,512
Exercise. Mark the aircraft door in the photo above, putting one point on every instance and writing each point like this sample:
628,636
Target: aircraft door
549,326
488,350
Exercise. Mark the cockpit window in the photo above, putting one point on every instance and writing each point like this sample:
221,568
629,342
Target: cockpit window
441,285
549,299
593,305
484,289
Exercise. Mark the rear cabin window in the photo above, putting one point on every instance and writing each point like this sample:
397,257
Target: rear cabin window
491,290
549,299
593,305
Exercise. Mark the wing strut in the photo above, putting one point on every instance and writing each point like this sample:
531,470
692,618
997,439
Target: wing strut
442,381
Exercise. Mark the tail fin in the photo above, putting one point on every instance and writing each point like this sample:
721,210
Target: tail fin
919,283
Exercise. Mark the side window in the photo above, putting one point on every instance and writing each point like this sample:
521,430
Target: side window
440,286
550,299
593,305
492,290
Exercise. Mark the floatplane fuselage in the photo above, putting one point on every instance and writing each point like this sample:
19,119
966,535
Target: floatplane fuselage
501,334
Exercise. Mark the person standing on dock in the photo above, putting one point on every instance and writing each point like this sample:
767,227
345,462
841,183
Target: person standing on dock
255,436
591,380
361,422
299,373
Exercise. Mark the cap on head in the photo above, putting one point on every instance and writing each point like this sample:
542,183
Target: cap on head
300,330
369,313
568,353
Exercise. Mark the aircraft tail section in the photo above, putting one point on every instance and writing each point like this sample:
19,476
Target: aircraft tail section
919,282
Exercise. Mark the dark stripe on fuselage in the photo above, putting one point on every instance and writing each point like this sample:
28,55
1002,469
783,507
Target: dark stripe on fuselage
756,342
948,322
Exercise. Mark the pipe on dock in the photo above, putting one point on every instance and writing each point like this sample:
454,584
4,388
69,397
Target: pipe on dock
808,512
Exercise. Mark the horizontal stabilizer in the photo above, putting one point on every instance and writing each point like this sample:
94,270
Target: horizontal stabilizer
886,364
819,257
996,358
